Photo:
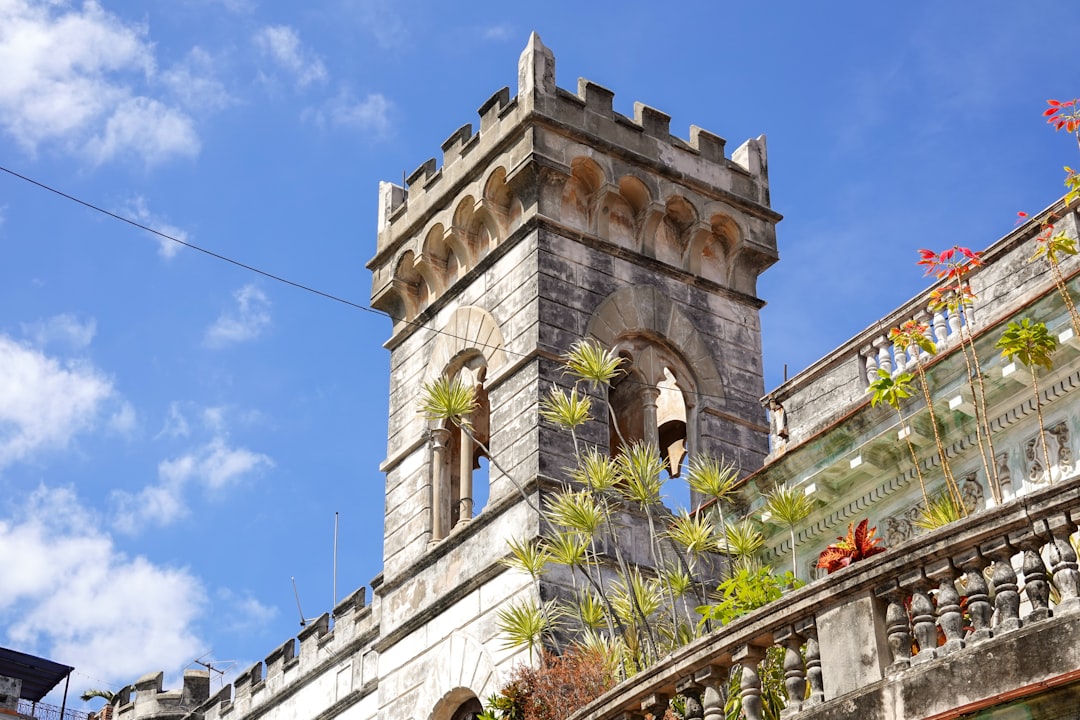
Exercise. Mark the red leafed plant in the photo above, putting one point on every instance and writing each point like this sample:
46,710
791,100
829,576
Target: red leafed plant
859,544
1063,115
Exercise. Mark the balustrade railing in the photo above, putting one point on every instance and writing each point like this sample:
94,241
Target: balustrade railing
943,594
944,327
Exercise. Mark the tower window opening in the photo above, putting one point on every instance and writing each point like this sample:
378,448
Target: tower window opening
462,453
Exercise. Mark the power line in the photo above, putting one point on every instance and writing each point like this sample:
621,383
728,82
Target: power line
203,250
272,276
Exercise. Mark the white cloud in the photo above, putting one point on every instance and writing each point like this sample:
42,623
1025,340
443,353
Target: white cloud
70,594
371,115
137,210
213,467
124,420
281,44
146,128
44,403
69,77
244,613
176,425
245,322
498,32
194,84
64,329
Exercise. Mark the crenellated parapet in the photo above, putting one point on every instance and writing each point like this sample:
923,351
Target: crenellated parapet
147,699
321,656
534,160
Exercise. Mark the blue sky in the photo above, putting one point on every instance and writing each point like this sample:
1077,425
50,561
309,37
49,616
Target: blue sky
177,433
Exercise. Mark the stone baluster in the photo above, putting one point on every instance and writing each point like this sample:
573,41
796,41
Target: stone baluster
884,358
969,316
794,671
1036,577
949,617
690,689
712,679
1063,563
979,607
954,324
923,617
901,359
1006,597
923,316
808,629
897,627
748,656
655,704
941,332
870,356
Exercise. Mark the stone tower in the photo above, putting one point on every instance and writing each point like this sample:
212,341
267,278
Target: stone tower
559,219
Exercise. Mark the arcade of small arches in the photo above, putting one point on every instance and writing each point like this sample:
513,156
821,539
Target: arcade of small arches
706,238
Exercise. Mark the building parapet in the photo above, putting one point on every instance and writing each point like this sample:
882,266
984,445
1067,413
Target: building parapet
834,387
886,637
287,668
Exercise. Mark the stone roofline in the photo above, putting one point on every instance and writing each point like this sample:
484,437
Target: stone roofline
646,137
265,682
998,297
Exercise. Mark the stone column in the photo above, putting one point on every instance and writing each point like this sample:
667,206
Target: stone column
649,396
465,469
439,490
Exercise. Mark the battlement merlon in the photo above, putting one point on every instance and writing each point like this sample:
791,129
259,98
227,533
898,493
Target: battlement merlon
645,139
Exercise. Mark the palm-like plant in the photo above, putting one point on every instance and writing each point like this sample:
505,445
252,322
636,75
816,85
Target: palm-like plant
107,695
715,479
525,623
743,540
789,506
1031,344
892,390
938,511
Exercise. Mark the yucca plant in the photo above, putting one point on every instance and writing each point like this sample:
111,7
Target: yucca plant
789,506
938,511
524,623
1031,344
743,540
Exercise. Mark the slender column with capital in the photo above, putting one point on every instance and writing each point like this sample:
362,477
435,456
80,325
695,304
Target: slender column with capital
649,396
465,468
439,494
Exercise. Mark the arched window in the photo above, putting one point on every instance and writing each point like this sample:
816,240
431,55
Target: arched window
459,452
468,710
654,401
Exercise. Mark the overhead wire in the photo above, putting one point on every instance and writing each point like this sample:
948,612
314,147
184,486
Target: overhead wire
266,274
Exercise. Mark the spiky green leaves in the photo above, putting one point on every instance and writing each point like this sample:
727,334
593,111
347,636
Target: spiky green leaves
1030,343
589,361
448,399
639,468
595,470
743,540
696,533
525,624
566,409
939,511
528,557
788,506
712,478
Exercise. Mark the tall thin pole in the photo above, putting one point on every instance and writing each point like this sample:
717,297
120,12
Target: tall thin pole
334,604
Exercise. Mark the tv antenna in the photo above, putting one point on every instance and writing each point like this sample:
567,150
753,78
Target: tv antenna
303,620
214,666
